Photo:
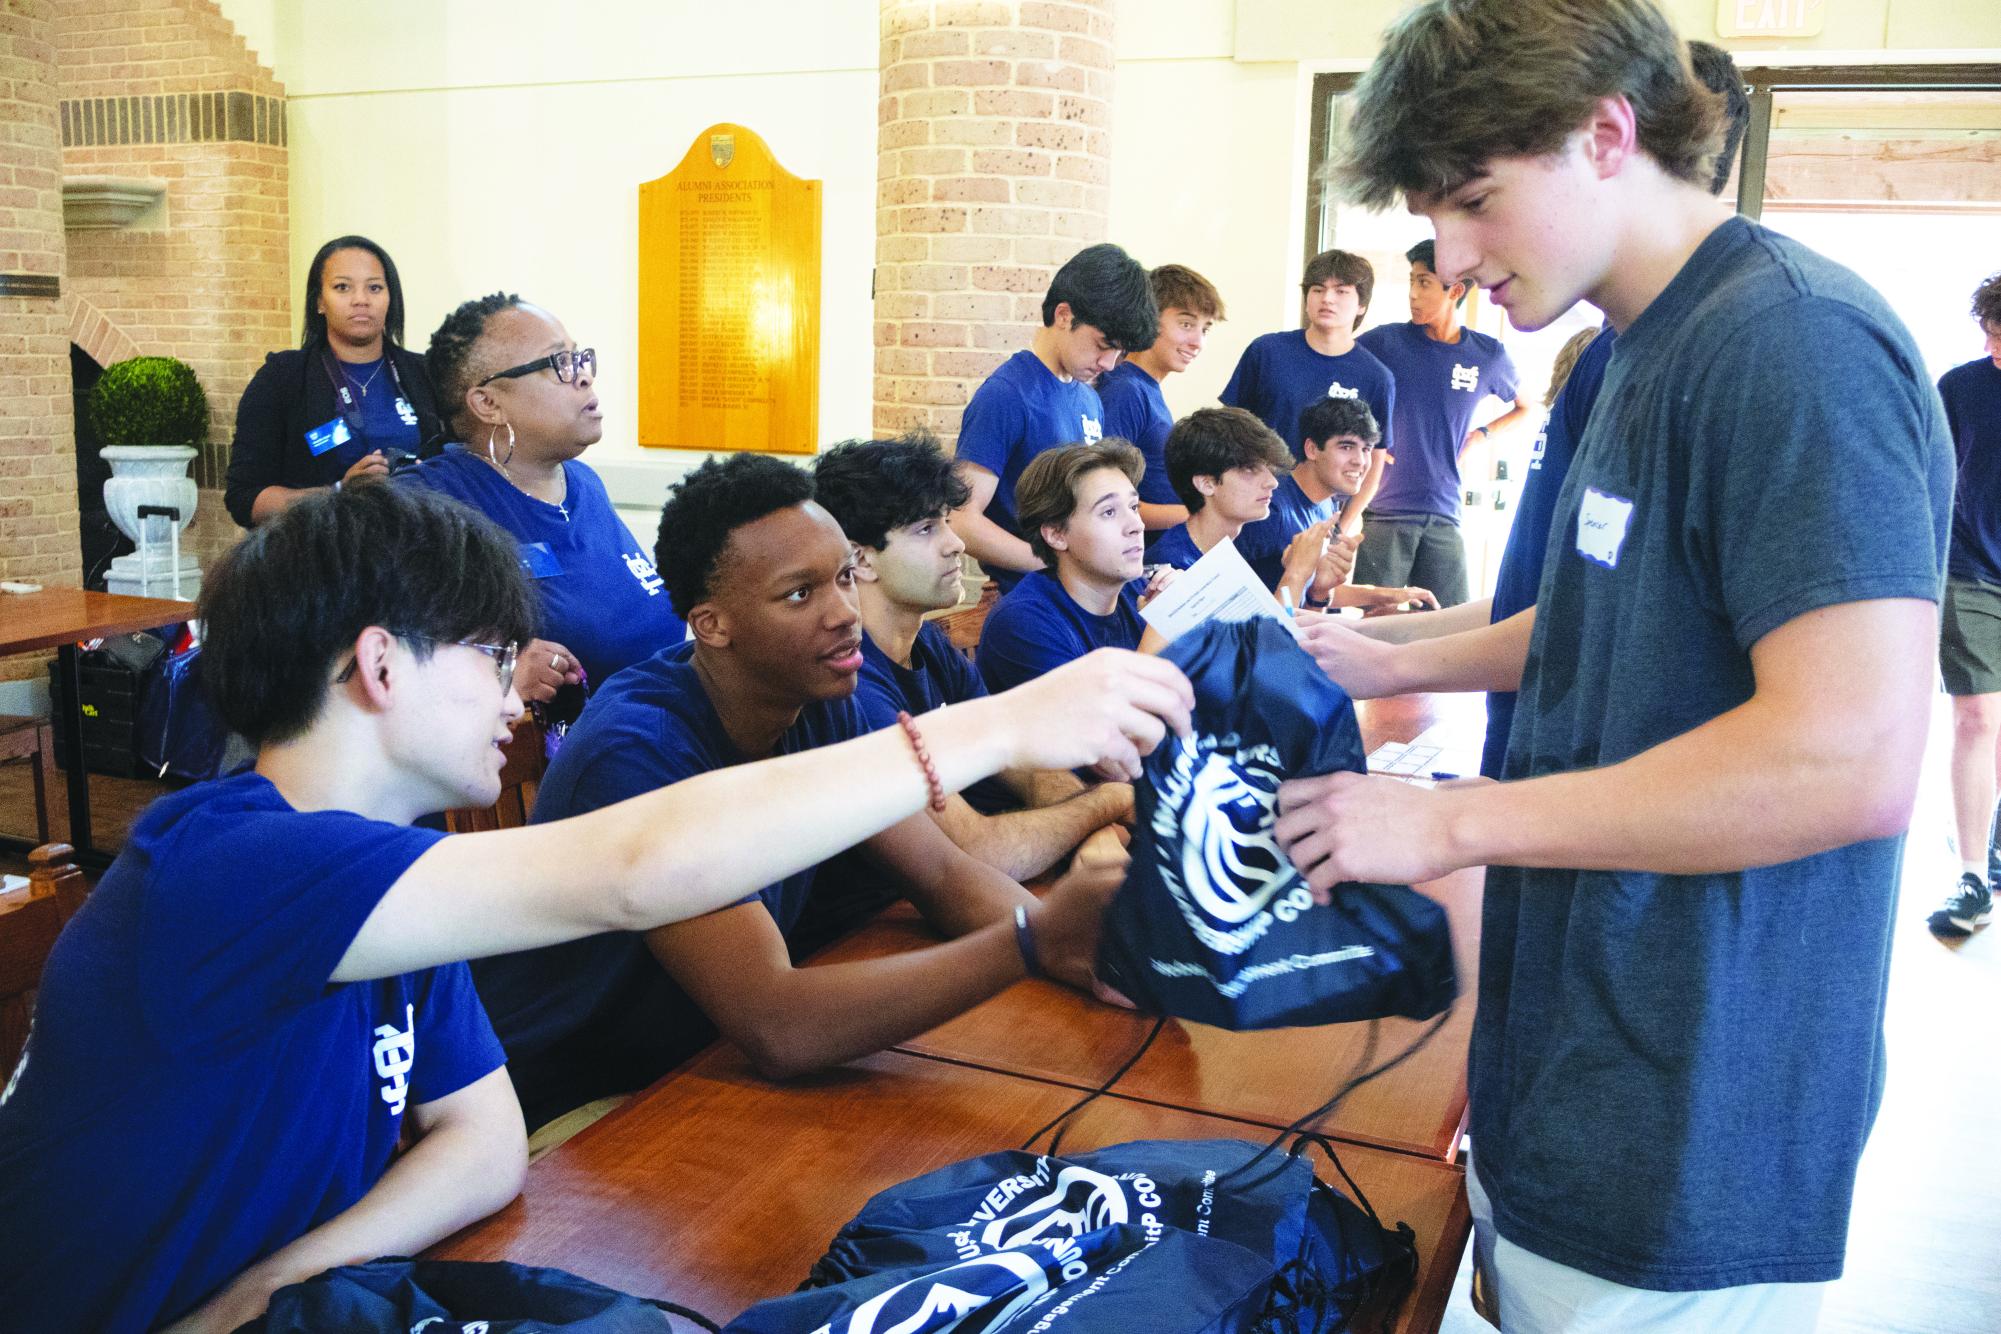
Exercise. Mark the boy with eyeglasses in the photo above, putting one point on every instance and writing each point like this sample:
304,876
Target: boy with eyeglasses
256,1052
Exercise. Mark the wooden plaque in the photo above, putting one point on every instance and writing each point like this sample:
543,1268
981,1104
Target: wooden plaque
729,301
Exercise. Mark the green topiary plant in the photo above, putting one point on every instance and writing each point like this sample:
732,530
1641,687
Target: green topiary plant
149,401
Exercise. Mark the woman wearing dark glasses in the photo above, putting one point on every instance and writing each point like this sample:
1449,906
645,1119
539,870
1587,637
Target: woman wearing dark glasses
348,405
520,402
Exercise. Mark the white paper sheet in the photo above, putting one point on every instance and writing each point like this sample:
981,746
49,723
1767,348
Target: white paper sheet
1219,587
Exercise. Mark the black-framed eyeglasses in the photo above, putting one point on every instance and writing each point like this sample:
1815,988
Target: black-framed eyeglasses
568,366
504,657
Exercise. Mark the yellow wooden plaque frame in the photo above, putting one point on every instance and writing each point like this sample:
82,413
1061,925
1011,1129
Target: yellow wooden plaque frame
729,301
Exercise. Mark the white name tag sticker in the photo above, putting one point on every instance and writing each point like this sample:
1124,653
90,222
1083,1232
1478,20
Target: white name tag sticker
1601,526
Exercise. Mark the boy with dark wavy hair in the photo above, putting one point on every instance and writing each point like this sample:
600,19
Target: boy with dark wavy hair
893,499
1694,851
1098,306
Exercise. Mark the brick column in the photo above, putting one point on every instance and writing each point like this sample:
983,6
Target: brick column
993,168
166,90
38,518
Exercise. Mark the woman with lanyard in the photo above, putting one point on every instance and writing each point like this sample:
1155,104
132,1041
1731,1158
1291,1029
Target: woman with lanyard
519,395
349,405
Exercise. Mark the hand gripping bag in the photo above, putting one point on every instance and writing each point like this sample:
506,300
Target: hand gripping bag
1214,924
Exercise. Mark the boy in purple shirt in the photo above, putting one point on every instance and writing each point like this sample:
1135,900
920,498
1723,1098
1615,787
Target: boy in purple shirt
1443,370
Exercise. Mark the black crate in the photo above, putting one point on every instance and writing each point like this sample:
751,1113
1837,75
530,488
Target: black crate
110,695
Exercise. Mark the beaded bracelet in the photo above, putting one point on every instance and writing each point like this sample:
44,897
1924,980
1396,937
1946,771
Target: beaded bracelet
1024,940
924,758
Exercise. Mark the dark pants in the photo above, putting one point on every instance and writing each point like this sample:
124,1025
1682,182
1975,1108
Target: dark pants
1420,550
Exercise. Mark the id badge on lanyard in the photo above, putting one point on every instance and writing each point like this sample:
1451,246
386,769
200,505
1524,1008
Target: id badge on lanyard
350,410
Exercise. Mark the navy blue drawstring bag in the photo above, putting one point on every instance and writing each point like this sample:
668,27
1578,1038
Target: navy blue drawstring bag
394,1295
1214,923
1167,1235
179,731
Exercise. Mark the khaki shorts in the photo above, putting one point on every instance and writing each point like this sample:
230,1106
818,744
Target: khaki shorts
1969,638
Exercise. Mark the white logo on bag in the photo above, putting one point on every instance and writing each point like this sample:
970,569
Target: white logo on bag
1077,1201
967,1287
1465,377
1219,860
395,1054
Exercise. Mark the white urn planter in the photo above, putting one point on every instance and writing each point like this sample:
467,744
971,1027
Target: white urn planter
143,475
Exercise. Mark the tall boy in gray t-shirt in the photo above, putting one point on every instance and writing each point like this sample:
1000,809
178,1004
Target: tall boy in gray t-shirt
1725,687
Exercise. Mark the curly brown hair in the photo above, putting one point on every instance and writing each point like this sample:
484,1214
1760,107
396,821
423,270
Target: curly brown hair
1987,302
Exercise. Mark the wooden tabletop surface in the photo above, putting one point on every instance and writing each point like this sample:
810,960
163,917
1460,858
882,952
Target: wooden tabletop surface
717,1189
57,616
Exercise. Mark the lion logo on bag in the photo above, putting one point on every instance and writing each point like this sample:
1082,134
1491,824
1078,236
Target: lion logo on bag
1077,1201
973,1295
1229,860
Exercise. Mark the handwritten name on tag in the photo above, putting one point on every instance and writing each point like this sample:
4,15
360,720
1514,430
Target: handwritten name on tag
1601,526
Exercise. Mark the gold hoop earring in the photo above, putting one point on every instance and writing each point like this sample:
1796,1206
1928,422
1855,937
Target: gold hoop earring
493,435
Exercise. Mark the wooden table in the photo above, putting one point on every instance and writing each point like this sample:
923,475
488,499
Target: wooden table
717,1189
57,618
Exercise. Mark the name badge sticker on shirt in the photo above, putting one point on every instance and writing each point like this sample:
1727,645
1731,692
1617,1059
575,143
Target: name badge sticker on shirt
332,435
539,561
1601,527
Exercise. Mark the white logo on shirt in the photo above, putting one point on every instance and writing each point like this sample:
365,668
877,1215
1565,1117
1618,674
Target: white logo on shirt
1537,450
395,1054
1465,377
1093,432
642,570
406,412
1339,390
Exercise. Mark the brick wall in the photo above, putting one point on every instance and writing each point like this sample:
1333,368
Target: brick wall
166,90
38,537
994,168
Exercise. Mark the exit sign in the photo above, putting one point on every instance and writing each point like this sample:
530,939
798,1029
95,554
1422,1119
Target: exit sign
1769,18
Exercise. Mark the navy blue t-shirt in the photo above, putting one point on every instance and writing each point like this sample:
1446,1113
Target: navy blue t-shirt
1263,543
1136,410
650,726
1438,387
1672,1076
1972,395
388,422
1280,376
1016,413
1520,574
601,597
1175,547
1038,627
196,1093
938,675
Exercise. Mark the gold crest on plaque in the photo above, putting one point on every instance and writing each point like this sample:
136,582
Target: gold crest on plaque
722,149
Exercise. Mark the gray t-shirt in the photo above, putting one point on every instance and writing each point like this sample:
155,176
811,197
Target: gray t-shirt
1673,1076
